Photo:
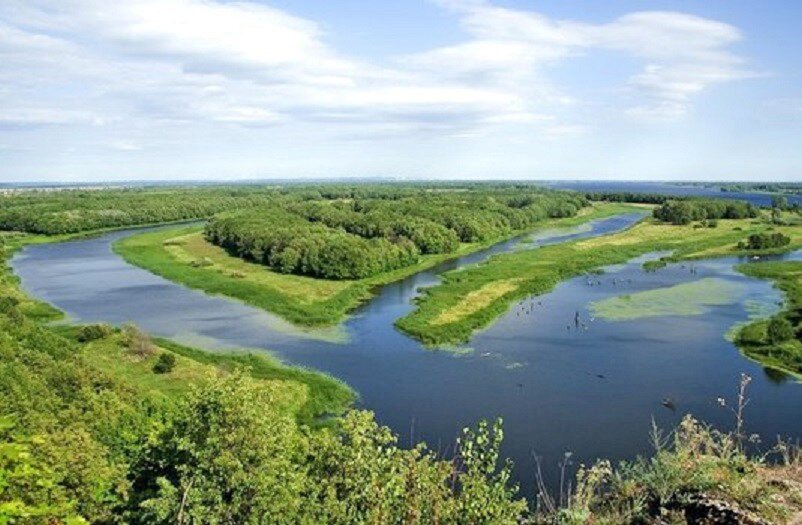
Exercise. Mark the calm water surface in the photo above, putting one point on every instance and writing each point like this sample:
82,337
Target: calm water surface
665,188
592,391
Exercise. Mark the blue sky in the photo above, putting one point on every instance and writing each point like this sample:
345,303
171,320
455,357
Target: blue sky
474,89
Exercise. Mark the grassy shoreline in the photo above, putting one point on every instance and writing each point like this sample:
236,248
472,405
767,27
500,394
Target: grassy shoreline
305,301
316,393
537,271
752,338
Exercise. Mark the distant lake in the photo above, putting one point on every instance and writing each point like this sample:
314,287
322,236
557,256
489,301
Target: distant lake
667,188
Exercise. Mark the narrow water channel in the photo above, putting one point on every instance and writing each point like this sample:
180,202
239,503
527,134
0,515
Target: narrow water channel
591,390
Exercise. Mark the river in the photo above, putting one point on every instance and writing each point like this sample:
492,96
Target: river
592,391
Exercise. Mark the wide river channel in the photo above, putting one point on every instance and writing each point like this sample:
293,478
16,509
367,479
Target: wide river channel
591,389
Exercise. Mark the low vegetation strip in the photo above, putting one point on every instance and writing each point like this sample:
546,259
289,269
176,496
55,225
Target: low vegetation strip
476,300
542,268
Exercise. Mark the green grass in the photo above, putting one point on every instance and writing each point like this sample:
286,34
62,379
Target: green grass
172,253
326,394
537,271
752,338
684,299
309,394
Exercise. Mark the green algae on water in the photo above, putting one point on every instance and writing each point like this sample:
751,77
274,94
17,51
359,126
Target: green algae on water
684,299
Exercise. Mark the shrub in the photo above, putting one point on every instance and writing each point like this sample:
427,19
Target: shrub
765,241
93,332
165,363
137,341
7,303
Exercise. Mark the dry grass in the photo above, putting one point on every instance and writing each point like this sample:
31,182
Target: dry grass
476,300
306,290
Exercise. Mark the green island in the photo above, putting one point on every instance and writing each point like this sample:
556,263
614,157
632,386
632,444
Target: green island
471,298
772,341
184,255
108,425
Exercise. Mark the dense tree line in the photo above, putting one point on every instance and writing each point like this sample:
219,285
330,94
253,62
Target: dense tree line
289,243
689,210
351,238
70,211
628,196
427,235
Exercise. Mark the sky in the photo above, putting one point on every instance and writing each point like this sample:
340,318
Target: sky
92,90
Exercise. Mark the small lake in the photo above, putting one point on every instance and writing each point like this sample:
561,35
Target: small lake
592,389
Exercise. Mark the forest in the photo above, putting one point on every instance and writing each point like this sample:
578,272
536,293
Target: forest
349,238
71,211
680,212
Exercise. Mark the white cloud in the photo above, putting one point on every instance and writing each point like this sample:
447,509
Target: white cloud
174,62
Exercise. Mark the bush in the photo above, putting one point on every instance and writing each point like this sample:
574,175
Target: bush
779,330
765,241
8,303
165,363
137,341
93,332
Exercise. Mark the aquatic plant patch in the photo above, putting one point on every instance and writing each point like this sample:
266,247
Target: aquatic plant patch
686,299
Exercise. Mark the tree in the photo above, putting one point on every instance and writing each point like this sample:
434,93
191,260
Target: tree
225,458
779,330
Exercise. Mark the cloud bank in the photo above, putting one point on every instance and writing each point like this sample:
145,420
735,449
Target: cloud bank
148,65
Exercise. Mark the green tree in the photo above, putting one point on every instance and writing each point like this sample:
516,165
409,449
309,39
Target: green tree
224,458
779,330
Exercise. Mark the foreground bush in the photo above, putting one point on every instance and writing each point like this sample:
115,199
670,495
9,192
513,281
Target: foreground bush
225,458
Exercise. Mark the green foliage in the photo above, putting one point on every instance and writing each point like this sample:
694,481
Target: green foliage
225,458
688,210
93,332
775,341
72,211
165,364
765,241
289,243
779,330
354,239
